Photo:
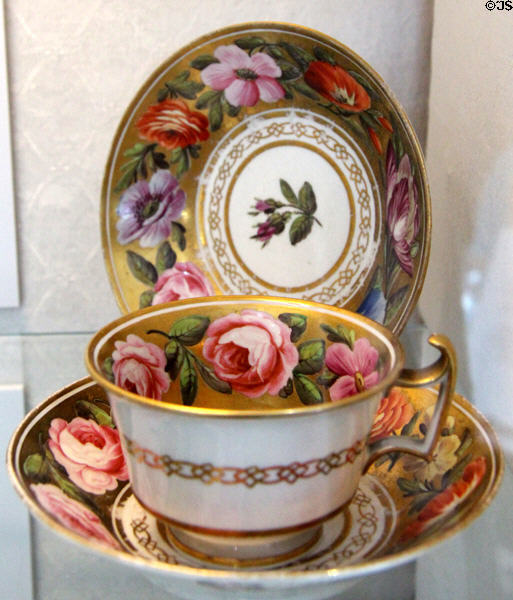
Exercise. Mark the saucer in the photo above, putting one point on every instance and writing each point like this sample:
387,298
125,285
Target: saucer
403,506
267,159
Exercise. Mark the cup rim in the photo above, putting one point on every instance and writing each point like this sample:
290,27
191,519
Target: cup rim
108,330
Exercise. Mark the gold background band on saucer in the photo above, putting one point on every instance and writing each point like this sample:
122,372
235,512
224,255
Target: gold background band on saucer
264,561
125,288
237,533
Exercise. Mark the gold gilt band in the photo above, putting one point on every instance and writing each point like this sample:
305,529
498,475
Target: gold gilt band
249,476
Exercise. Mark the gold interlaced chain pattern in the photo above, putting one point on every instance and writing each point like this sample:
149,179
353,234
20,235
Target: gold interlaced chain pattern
249,476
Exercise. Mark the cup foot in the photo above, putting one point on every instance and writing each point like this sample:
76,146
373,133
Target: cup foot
244,552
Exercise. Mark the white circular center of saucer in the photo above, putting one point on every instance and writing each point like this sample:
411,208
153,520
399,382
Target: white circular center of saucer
253,251
279,263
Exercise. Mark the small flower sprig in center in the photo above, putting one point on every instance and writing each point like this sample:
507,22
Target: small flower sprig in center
303,205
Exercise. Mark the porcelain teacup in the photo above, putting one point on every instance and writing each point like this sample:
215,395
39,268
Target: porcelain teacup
247,422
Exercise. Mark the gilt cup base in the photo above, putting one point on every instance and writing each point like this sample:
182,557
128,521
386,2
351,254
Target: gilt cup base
244,552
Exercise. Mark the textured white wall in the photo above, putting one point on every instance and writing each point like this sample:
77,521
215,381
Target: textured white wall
74,68
468,291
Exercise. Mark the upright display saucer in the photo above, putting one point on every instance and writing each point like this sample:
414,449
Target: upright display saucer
267,159
403,506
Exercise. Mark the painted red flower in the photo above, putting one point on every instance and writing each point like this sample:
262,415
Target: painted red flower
445,502
393,413
172,124
335,84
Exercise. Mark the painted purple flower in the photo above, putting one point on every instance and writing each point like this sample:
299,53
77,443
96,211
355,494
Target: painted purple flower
402,208
147,209
245,79
356,368
274,225
265,232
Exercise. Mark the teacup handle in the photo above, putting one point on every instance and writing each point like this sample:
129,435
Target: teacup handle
444,370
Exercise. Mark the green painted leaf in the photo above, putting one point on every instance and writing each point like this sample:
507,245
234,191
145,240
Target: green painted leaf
188,89
300,229
136,150
300,56
206,98
289,71
202,61
288,192
166,257
175,354
176,155
466,441
183,164
311,357
296,322
309,393
408,428
107,366
307,201
178,235
275,51
327,378
211,379
322,54
229,109
304,89
421,501
364,83
394,303
162,94
146,298
250,42
100,416
410,487
341,335
188,381
190,330
66,486
126,180
34,466
215,114
456,472
141,268
287,389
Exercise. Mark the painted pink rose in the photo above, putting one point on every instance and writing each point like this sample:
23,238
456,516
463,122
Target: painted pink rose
90,453
402,208
252,351
184,280
72,514
356,368
245,79
139,367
